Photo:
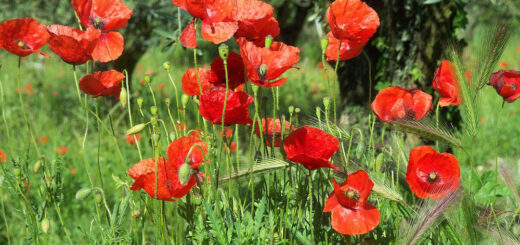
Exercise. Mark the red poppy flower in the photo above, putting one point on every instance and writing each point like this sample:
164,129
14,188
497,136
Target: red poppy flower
102,83
190,86
217,20
74,46
105,16
507,84
255,20
62,150
349,49
235,67
3,158
431,174
266,64
269,133
237,112
143,173
130,139
227,131
181,180
446,83
352,20
396,103
311,147
23,37
351,214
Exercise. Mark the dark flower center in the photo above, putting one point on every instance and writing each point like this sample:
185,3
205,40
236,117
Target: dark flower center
21,44
352,194
97,22
432,177
262,71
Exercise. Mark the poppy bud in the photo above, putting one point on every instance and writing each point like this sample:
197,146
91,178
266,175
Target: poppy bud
184,173
318,113
147,79
184,100
153,110
262,70
326,102
16,171
166,65
83,193
167,101
156,137
291,109
268,41
297,110
140,102
123,97
136,129
379,161
45,224
136,214
98,197
223,51
37,166
324,43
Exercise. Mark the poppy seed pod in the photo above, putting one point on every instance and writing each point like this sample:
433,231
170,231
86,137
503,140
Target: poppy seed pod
147,79
167,101
140,102
136,129
223,51
153,110
83,193
291,109
268,41
37,166
16,171
326,102
166,65
324,43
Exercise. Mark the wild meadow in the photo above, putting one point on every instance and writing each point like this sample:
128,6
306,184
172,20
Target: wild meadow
224,131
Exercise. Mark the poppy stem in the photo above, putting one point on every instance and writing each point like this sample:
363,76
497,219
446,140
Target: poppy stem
337,80
130,114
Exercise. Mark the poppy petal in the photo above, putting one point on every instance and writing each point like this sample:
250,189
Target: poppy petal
108,47
143,173
311,147
355,222
237,112
188,37
218,32
190,84
23,37
349,49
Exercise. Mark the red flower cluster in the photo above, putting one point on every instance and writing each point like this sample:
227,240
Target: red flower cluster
351,214
272,130
222,19
352,23
23,37
175,176
431,174
105,16
311,147
507,84
446,83
395,103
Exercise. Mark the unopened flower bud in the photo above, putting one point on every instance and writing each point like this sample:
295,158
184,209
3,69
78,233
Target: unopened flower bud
140,102
184,173
83,193
147,79
153,110
268,41
136,129
45,225
123,96
156,137
136,214
17,171
318,113
98,197
223,51
297,110
379,161
167,101
324,43
184,100
166,65
37,166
